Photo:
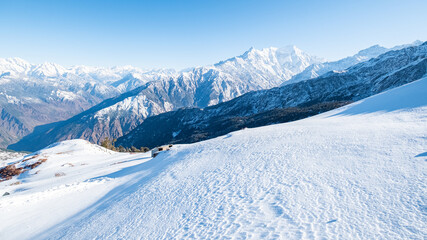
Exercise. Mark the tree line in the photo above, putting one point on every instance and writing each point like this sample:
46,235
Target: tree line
110,144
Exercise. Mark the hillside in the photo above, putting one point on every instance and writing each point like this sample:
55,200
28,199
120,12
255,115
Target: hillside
354,172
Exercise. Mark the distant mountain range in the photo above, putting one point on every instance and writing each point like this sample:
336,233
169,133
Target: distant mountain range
197,87
283,104
32,95
44,95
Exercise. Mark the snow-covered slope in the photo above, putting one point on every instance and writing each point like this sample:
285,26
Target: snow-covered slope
318,69
69,179
357,172
198,87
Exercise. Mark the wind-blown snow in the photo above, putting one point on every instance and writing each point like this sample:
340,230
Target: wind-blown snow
353,173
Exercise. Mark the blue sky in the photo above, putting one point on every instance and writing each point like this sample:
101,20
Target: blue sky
180,34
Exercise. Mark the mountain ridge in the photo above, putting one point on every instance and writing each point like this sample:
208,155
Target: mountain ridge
363,55
201,87
282,104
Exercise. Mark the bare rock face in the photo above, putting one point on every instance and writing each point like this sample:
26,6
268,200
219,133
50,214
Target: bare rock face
10,128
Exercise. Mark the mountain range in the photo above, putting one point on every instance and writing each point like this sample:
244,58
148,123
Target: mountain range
32,95
197,87
141,94
283,104
318,69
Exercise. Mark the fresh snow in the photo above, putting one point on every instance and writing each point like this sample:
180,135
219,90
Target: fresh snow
357,172
74,175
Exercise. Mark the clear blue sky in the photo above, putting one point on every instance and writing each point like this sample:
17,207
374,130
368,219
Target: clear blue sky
180,34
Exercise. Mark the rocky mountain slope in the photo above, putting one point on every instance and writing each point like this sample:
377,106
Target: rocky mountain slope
318,69
32,95
198,87
290,102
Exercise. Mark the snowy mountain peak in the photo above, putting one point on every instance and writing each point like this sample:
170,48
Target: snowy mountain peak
13,65
48,69
249,54
318,69
290,59
290,50
416,43
372,51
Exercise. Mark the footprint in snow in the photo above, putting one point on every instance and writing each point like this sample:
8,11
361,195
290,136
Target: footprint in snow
277,210
332,221
422,155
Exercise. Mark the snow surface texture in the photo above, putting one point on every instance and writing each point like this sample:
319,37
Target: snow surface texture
73,176
353,173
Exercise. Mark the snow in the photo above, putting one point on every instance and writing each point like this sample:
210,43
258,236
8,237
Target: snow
353,173
273,65
65,95
7,156
74,175
139,105
11,99
410,96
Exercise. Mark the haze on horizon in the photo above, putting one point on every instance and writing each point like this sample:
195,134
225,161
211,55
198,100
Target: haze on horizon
181,34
